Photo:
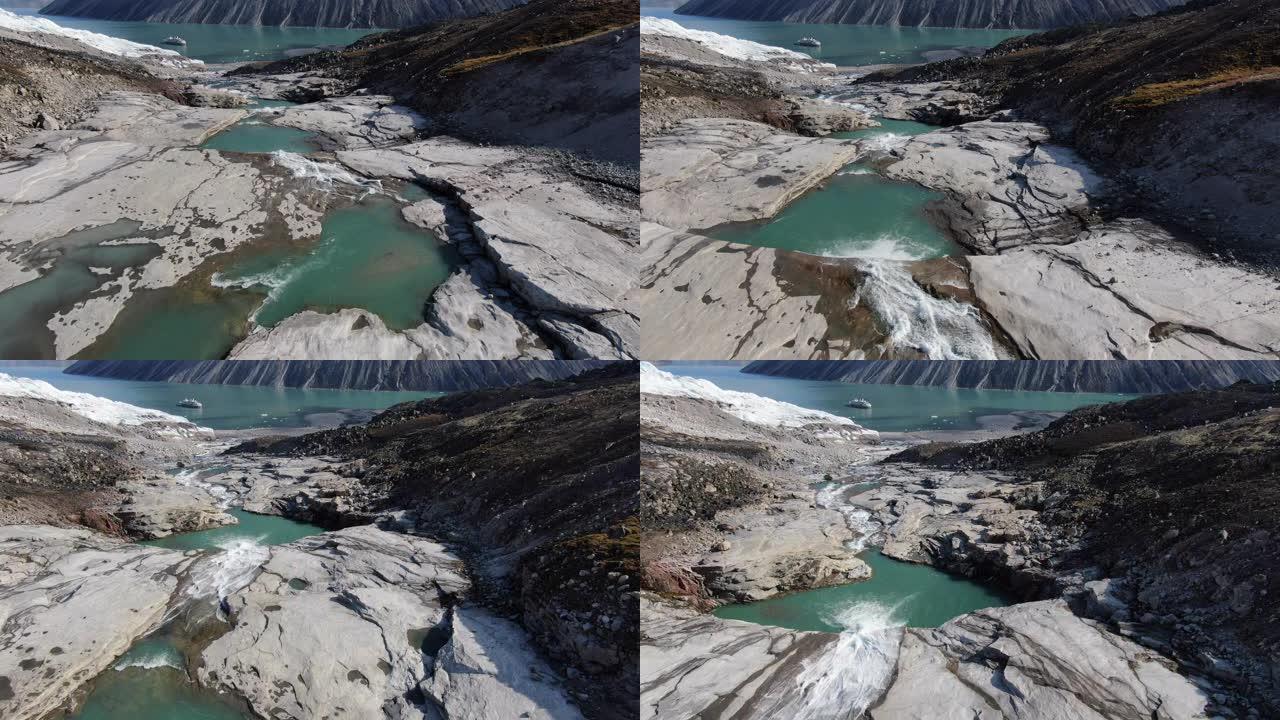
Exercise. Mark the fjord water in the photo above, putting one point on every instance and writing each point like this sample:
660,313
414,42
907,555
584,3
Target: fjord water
846,45
895,408
219,43
226,407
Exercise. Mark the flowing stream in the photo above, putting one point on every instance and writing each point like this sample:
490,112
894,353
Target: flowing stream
367,256
868,615
150,681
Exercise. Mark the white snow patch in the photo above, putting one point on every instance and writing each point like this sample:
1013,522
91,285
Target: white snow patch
99,409
731,47
744,406
98,41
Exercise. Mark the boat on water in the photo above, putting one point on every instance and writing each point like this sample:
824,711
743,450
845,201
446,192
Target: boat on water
809,42
173,40
860,403
190,403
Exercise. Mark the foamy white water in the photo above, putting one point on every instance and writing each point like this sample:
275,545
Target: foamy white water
885,247
843,682
866,530
149,661
885,143
941,329
229,570
323,173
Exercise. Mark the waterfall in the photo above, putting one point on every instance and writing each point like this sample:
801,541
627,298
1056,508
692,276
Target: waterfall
234,566
940,328
844,680
322,173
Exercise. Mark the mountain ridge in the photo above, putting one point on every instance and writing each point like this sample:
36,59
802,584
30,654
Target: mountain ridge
1140,376
930,13
350,14
440,375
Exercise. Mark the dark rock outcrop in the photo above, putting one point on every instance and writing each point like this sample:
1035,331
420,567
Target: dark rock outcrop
442,375
1174,498
558,73
1178,107
43,87
1100,376
931,13
537,485
353,13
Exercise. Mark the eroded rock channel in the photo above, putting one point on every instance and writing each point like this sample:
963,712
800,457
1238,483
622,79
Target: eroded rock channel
154,567
797,563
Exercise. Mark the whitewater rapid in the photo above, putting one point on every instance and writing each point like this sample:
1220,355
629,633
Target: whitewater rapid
939,328
322,173
229,570
843,682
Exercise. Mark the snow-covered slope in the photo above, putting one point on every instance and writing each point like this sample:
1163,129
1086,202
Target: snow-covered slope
744,406
31,27
101,410
730,47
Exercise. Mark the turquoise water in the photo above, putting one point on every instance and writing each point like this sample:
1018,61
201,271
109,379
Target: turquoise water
888,127
253,135
856,213
226,407
369,257
896,408
846,45
219,43
264,529
911,594
162,693
149,682
26,309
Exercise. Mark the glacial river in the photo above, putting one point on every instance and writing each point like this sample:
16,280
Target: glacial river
150,681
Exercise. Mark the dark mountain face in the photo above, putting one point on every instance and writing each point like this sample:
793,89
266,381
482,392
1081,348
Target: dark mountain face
442,375
1103,376
930,13
314,13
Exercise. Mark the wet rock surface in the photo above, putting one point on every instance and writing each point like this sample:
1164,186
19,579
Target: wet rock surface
542,518
51,579
1127,503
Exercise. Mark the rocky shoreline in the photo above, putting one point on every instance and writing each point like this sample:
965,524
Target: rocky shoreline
546,239
1037,223
422,617
989,511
